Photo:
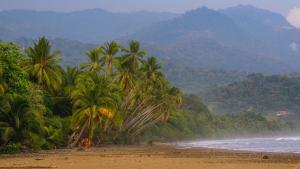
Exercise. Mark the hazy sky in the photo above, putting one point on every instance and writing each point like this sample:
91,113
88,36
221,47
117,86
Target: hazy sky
281,6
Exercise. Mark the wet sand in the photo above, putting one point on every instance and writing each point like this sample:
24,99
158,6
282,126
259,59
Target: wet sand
145,157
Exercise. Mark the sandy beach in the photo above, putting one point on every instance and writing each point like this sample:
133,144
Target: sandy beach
145,157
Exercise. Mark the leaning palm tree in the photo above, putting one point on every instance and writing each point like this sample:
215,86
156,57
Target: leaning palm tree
96,60
95,101
150,101
42,65
110,50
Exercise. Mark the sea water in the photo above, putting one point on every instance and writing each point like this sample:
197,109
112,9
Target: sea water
273,144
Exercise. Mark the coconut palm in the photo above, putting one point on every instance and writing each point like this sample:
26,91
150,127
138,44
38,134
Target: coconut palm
42,65
96,60
171,98
152,74
61,101
110,50
70,76
95,100
125,75
134,55
129,64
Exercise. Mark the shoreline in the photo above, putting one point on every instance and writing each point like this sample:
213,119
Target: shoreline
160,156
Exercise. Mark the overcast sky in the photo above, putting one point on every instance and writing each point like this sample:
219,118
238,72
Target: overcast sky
178,6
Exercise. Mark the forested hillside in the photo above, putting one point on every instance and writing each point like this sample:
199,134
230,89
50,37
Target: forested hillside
261,93
197,121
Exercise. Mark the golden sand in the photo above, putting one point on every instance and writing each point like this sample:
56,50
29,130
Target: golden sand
156,157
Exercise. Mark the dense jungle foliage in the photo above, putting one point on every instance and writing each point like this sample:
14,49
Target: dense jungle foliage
112,98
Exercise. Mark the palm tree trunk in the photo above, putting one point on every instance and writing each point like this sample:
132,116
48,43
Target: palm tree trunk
79,136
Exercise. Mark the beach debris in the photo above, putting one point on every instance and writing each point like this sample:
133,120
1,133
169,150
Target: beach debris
265,157
86,143
38,159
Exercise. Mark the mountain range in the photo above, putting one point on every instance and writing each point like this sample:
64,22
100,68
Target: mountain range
241,38
94,25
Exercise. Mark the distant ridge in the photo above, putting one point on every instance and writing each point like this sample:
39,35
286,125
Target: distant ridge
93,25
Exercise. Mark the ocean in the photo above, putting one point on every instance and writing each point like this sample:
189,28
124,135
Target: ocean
271,144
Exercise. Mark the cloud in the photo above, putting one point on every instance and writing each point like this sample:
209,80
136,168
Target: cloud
294,47
294,17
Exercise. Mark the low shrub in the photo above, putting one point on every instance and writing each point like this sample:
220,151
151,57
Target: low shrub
10,149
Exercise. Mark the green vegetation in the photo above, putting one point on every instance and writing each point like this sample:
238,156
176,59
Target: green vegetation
261,93
118,95
112,98
10,149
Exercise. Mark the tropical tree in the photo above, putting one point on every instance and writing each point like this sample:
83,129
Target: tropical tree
61,102
171,98
152,74
70,76
110,50
42,65
133,55
129,64
96,60
12,77
95,101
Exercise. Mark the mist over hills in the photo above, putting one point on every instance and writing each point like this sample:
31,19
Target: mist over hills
230,43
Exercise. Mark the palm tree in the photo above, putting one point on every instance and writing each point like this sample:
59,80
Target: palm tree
110,50
124,74
171,98
19,119
152,74
61,100
96,60
129,64
42,65
70,76
134,55
95,101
